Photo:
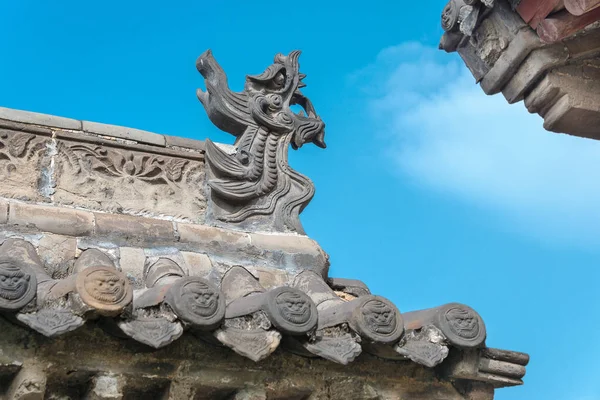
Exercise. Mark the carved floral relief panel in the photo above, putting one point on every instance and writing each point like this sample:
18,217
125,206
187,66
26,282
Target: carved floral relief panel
24,164
119,180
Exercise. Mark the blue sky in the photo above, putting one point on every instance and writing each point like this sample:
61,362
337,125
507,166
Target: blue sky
429,191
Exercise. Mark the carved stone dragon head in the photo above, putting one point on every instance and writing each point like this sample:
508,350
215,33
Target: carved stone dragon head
254,185
265,102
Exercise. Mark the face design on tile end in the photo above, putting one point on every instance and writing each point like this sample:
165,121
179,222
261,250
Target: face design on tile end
104,288
197,301
17,285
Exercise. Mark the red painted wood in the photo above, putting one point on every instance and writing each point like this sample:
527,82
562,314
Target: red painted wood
580,7
535,11
563,24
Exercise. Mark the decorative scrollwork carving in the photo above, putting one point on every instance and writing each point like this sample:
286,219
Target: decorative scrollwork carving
255,181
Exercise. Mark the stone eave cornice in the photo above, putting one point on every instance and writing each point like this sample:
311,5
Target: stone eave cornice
554,69
94,131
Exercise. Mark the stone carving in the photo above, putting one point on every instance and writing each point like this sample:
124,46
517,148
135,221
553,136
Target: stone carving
118,180
337,344
342,324
52,322
154,332
254,184
374,318
291,311
499,368
253,344
17,285
425,353
21,158
18,282
104,289
461,325
463,322
450,16
293,307
424,346
197,301
378,317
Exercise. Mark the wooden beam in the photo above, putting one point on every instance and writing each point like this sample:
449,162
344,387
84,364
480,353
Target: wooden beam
535,11
580,7
564,24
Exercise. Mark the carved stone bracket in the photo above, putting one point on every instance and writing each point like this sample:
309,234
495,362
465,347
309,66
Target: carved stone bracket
500,368
252,184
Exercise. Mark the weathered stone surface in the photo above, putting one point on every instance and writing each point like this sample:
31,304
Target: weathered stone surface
51,322
60,220
29,384
198,264
111,179
154,332
3,211
132,261
253,186
24,166
569,101
105,289
106,387
135,229
57,252
202,234
250,394
545,66
124,133
255,345
538,62
178,141
28,117
287,243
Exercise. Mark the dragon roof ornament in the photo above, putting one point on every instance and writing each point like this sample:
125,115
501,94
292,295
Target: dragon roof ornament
253,185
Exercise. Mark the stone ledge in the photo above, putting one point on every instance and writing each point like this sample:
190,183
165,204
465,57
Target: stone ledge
124,133
132,227
28,117
281,252
63,221
41,123
207,234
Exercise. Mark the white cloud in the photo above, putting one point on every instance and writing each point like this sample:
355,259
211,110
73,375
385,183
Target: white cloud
449,136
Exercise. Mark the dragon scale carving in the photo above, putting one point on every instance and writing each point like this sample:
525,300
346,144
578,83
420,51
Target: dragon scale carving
254,184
